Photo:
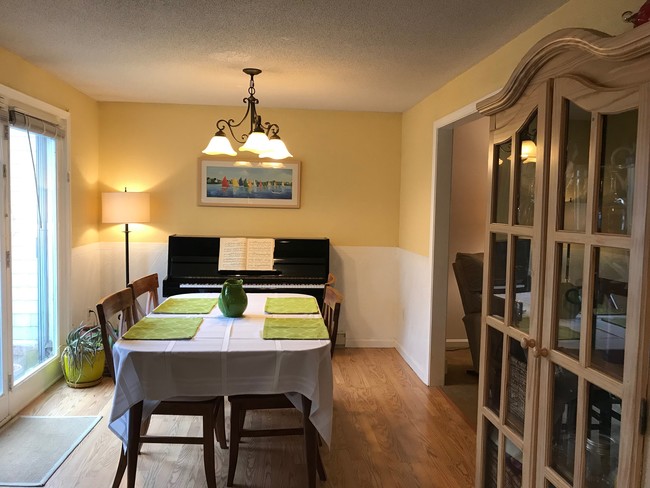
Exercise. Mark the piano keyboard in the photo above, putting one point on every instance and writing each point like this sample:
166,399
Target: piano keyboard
252,287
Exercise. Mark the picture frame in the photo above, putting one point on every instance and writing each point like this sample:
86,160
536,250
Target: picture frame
250,182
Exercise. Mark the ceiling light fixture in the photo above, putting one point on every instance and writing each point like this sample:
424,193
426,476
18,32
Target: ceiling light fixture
262,139
528,152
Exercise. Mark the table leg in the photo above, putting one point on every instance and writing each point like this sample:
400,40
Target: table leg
133,443
310,442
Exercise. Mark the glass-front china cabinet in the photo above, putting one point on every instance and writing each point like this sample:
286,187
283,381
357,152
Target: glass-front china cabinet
566,324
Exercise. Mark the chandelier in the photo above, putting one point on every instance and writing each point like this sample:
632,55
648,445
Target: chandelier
262,138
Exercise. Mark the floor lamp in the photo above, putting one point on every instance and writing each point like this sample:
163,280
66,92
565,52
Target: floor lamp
122,207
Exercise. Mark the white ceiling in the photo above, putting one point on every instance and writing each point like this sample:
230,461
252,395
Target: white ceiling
375,55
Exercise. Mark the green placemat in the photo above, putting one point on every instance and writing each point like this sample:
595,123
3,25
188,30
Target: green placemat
186,305
291,305
294,328
164,328
565,333
619,321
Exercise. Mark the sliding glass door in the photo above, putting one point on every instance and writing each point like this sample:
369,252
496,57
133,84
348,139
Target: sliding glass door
5,369
33,250
34,180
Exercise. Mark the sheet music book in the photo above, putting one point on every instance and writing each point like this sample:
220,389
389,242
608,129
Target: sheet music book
246,254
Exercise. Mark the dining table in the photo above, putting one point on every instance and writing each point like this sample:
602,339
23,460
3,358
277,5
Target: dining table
223,356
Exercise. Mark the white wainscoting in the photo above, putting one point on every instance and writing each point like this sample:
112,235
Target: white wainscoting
85,281
144,258
369,280
413,334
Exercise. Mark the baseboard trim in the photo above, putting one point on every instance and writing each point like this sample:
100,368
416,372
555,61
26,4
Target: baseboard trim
349,342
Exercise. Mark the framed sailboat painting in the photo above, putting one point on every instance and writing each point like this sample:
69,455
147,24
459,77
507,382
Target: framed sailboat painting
250,182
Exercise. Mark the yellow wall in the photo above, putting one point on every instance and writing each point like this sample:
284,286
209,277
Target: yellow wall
350,172
24,77
353,189
476,83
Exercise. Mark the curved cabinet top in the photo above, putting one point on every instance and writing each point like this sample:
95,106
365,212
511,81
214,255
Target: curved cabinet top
593,57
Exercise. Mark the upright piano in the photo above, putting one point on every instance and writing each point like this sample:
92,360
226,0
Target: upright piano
299,266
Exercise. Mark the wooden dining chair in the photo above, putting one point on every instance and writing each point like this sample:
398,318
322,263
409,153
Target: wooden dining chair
240,404
146,286
122,303
331,281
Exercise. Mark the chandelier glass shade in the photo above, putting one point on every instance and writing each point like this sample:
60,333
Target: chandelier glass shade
528,152
262,138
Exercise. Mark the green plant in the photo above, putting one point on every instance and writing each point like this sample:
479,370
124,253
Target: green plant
82,345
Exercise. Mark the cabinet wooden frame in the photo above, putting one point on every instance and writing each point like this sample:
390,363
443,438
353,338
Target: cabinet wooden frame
597,102
505,126
599,72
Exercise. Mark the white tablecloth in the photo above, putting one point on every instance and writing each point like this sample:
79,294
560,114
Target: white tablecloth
226,357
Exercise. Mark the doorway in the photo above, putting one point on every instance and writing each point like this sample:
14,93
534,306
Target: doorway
461,189
466,236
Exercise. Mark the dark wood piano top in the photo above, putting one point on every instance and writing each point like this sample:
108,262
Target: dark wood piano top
300,265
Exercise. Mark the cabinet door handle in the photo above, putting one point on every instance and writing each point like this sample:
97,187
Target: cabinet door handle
527,343
540,351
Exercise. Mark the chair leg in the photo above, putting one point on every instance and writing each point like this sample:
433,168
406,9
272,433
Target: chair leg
144,428
133,443
320,467
242,417
235,434
220,425
121,468
311,444
208,449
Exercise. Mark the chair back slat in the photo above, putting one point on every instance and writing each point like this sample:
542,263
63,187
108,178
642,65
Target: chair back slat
331,280
108,307
331,311
147,285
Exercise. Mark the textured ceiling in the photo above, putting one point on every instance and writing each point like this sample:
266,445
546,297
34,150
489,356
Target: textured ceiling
375,55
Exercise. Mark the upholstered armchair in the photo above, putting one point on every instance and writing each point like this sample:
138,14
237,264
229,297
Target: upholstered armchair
468,269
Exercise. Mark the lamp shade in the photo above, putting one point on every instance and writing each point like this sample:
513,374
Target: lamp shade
276,149
257,142
219,144
123,207
528,151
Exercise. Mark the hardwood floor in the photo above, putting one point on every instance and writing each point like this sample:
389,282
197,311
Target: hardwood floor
390,430
461,386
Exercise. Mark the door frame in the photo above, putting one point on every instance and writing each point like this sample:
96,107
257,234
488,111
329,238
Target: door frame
442,162
19,395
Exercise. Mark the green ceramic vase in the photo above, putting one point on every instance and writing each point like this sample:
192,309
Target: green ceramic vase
232,299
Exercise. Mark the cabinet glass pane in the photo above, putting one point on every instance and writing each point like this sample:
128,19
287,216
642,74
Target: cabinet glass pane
549,485
499,259
495,354
603,438
522,281
503,157
616,176
491,455
513,466
563,434
526,163
574,169
568,321
517,368
609,317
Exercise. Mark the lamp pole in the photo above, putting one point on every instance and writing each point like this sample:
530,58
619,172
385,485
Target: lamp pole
126,247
